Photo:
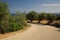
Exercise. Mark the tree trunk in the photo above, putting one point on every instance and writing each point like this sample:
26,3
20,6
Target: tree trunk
2,31
39,21
31,21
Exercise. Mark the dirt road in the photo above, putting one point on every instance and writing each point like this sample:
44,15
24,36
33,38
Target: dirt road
37,32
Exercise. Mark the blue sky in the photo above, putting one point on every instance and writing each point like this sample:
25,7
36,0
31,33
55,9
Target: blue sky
49,6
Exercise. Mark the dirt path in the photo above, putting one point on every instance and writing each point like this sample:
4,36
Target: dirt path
37,32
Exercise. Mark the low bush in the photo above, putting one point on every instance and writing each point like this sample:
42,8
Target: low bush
14,27
57,24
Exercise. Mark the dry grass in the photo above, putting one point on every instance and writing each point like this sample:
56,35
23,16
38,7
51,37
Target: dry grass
44,22
58,21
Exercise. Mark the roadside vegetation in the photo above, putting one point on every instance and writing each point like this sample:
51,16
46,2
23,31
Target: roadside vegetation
9,23
49,18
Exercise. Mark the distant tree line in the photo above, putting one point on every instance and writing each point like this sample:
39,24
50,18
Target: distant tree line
43,16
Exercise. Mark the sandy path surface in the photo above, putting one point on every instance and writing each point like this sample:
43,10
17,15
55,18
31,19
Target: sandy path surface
37,32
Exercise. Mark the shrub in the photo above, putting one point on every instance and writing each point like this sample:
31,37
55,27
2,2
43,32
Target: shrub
57,24
14,26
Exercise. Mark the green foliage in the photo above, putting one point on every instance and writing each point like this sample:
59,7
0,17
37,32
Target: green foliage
20,18
32,15
9,23
51,17
58,17
42,16
57,24
17,22
4,16
14,27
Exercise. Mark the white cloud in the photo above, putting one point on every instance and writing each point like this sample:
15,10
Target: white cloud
50,5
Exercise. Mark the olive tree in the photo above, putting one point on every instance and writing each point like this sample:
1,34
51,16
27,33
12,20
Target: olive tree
32,16
4,16
42,16
51,17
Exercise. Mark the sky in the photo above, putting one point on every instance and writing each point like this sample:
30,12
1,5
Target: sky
49,6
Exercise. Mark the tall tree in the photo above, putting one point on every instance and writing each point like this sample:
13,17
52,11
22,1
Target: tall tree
51,17
32,15
42,16
4,16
